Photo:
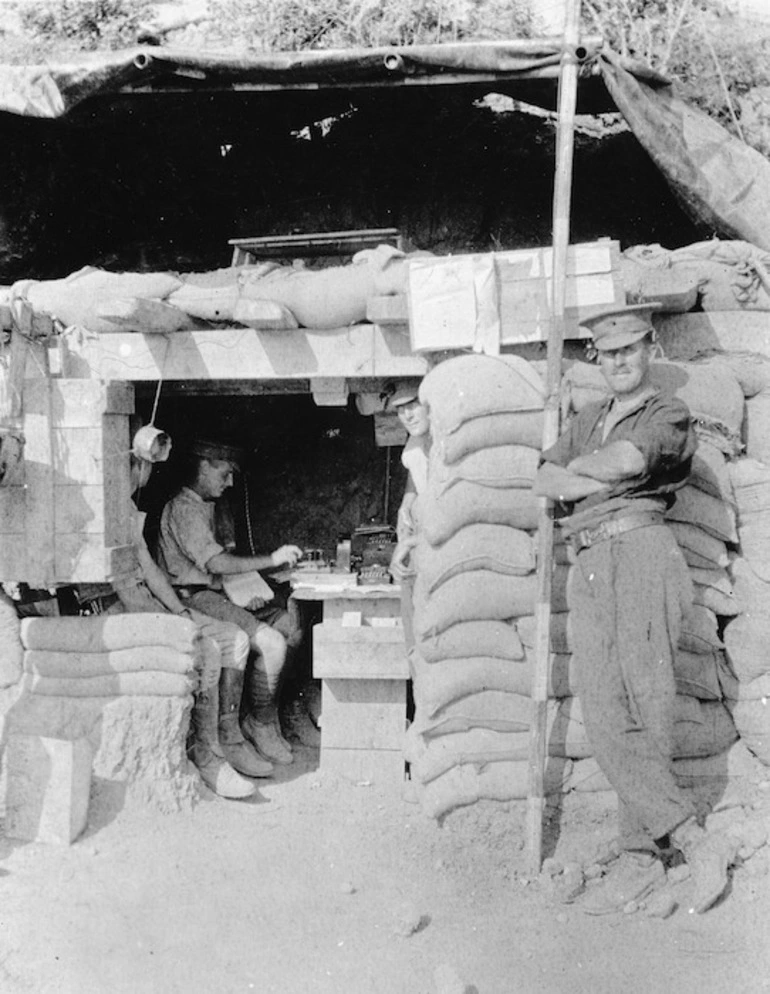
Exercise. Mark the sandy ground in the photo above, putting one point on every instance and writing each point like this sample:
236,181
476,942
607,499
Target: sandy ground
319,885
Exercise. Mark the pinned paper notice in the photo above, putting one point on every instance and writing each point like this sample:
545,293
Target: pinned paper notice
351,619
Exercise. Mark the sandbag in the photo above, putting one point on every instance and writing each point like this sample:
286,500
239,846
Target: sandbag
142,315
150,683
470,504
747,637
264,315
757,435
752,719
714,589
11,648
471,386
207,301
700,674
711,471
713,514
493,709
505,466
489,432
477,595
499,781
104,633
737,762
479,747
83,665
75,300
700,550
699,630
734,763
751,484
436,685
753,690
497,548
493,638
333,297
700,728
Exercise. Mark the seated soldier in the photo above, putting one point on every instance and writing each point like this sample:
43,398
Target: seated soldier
196,563
224,651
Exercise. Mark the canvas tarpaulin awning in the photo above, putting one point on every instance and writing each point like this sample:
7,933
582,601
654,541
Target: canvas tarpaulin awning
54,89
722,182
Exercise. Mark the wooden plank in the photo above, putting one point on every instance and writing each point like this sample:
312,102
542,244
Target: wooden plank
39,475
242,354
382,767
363,653
386,606
363,714
116,480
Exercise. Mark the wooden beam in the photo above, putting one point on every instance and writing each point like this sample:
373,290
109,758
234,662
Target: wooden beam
243,354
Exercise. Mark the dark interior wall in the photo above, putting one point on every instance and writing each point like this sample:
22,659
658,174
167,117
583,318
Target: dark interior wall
153,185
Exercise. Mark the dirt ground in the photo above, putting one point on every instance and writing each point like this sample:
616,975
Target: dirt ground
322,885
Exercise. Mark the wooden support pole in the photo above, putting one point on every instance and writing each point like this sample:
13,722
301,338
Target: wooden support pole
565,143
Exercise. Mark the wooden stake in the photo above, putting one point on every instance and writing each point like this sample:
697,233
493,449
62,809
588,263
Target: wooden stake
565,135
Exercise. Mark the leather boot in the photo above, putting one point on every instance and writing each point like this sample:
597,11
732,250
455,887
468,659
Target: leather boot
205,754
297,724
236,749
709,858
266,740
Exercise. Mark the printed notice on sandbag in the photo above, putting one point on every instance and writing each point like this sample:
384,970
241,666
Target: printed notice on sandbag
452,307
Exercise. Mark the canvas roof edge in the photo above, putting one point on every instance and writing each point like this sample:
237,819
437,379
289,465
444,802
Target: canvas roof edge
53,89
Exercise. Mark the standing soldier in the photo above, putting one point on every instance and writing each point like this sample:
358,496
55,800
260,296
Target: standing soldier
618,466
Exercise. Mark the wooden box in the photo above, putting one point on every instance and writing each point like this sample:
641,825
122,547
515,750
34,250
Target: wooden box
490,299
364,674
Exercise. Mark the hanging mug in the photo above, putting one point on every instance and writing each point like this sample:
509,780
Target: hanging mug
151,444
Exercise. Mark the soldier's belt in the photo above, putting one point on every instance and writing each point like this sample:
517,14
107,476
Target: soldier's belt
587,537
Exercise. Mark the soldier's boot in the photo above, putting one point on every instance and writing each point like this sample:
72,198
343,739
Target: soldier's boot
237,751
297,724
709,858
265,737
204,752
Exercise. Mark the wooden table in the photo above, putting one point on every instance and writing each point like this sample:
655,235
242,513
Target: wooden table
360,657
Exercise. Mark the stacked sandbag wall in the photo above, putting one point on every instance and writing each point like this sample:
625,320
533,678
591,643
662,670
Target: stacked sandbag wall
122,682
476,576
747,636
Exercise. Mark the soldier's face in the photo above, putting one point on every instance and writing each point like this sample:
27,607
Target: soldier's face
626,369
414,417
214,477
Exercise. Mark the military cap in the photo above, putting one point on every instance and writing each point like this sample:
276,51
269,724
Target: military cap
616,327
399,393
213,449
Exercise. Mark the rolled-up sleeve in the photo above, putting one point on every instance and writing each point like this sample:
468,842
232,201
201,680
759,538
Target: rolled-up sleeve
666,438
